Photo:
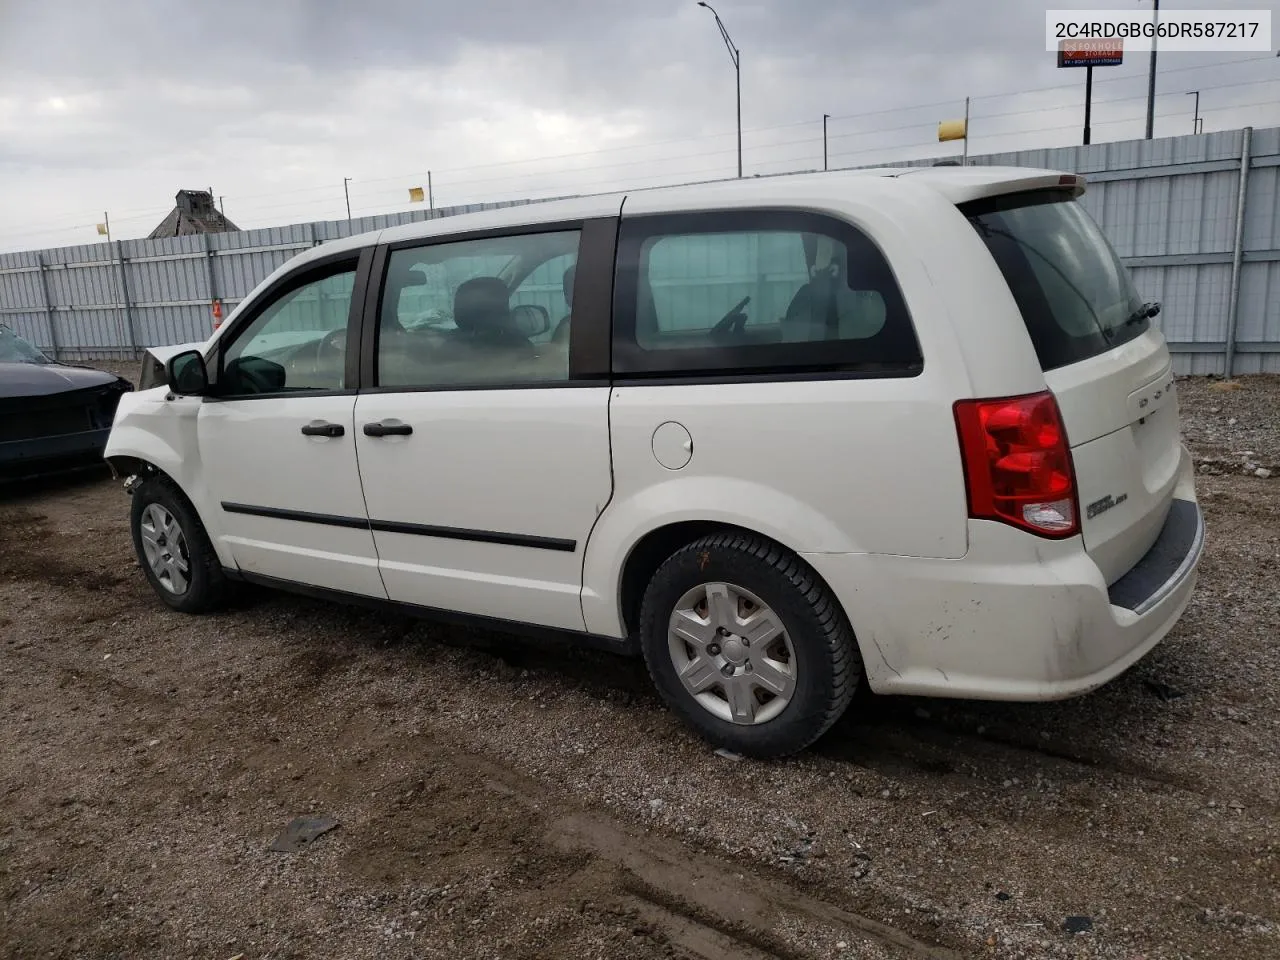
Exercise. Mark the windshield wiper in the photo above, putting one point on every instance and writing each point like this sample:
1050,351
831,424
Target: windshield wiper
987,230
1144,312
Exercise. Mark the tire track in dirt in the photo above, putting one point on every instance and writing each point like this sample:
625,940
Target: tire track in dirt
705,907
722,897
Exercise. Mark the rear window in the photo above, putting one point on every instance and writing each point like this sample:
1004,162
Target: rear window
1076,297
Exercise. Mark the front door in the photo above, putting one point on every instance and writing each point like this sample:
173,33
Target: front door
484,463
278,438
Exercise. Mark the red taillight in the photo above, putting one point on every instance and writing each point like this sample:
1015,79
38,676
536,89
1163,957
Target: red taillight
1017,464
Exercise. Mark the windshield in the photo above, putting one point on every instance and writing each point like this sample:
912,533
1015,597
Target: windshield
13,349
1075,295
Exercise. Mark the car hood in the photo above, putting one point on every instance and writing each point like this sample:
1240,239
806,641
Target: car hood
44,379
164,353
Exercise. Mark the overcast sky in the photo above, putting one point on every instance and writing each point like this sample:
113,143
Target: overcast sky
117,105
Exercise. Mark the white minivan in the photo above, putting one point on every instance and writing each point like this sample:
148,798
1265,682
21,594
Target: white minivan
776,435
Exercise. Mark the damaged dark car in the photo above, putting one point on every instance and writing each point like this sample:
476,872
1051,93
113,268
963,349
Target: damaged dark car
53,416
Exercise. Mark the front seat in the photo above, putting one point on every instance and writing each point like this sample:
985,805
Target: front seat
400,277
566,284
482,313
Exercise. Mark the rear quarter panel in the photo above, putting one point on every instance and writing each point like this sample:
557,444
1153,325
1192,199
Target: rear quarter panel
848,466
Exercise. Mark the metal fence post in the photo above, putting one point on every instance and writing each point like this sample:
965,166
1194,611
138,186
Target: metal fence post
48,306
209,254
124,299
1237,254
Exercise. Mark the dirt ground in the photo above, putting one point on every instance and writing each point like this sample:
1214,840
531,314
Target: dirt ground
506,799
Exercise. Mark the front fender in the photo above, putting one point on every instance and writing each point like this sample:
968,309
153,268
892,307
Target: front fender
727,500
160,429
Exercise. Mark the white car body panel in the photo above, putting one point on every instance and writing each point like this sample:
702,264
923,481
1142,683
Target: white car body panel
751,467
533,462
861,477
1121,414
253,453
1017,618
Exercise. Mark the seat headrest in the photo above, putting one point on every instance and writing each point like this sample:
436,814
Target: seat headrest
481,305
400,277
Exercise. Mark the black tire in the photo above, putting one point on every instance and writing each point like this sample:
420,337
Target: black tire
206,588
827,664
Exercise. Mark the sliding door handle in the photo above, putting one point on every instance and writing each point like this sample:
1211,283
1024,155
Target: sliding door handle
387,428
321,428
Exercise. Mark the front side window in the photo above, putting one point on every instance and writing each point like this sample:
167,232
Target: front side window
298,342
754,292
475,312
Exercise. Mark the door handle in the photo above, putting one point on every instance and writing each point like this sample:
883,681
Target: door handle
319,428
387,428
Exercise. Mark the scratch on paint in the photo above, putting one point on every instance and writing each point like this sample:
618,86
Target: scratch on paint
884,660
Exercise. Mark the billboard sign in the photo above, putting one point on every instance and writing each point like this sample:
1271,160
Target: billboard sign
1090,53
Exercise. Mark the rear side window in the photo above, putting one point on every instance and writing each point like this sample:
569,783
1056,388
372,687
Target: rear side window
1075,295
755,292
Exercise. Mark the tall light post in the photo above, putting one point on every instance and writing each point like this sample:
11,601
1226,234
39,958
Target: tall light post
825,118
1151,75
736,56
1197,124
347,195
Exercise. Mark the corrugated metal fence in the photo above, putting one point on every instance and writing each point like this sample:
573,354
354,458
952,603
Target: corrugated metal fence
1174,212
1172,208
102,300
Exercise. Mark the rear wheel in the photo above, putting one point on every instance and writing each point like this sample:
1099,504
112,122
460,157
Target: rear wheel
747,645
174,549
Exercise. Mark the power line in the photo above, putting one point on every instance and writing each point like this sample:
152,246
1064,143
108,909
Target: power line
577,173
129,216
729,133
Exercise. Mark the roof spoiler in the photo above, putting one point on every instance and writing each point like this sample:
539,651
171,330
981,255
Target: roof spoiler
965,183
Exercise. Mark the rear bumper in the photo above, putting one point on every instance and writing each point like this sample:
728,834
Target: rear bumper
47,454
1018,617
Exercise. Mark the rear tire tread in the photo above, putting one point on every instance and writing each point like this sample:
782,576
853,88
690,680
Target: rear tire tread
833,633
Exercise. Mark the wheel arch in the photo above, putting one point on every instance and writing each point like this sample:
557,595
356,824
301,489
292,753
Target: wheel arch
125,466
654,547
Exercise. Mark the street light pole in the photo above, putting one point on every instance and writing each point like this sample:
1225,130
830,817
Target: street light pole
1151,76
1197,125
736,56
347,194
825,118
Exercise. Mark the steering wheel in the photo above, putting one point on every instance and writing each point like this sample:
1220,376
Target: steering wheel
253,378
730,326
335,341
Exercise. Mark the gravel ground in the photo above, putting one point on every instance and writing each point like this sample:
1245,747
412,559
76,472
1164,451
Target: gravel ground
501,798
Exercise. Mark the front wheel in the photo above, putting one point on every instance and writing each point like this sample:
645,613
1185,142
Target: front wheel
174,549
748,645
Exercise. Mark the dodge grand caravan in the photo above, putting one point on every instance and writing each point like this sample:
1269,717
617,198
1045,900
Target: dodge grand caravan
774,435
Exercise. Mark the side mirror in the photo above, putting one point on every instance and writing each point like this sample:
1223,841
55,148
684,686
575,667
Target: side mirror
530,319
187,375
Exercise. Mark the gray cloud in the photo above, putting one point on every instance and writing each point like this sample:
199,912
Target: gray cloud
116,106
